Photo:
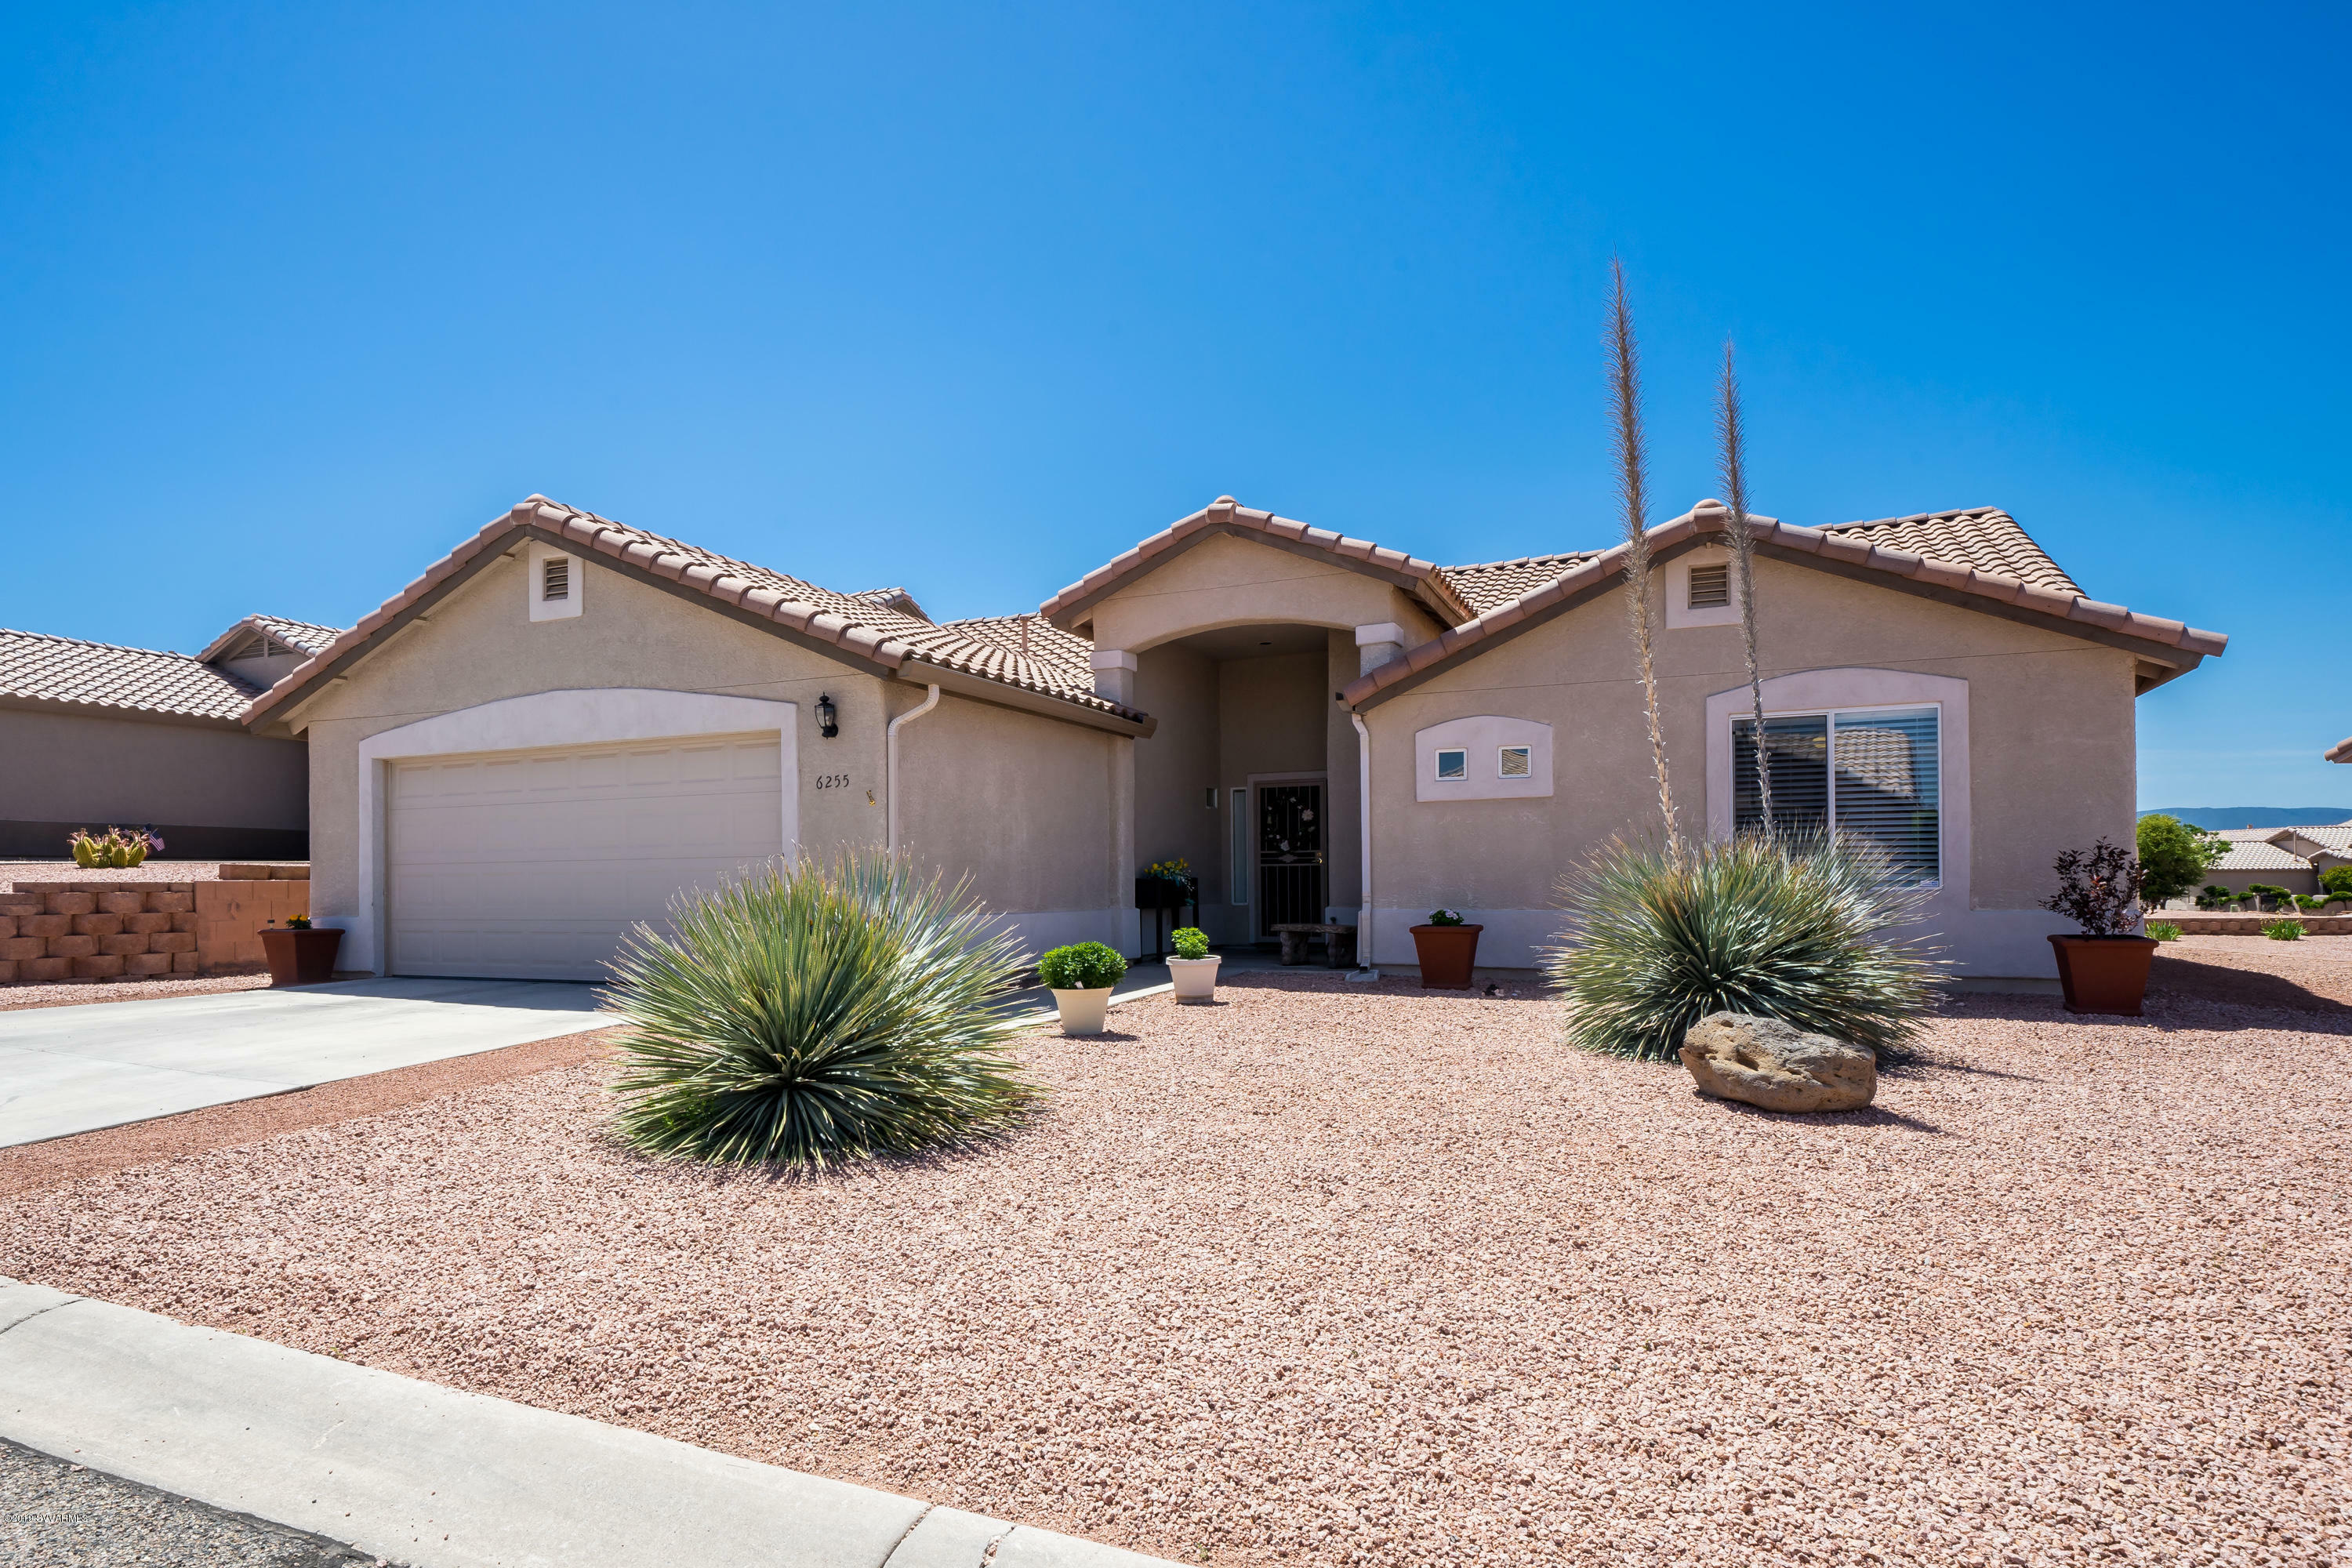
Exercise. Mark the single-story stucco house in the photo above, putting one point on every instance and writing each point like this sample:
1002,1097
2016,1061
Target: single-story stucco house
95,735
2290,857
566,720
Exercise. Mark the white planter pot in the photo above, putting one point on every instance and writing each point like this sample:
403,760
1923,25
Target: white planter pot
1083,1011
1196,979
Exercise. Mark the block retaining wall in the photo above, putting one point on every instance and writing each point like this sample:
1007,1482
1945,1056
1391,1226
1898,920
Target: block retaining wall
51,931
2251,925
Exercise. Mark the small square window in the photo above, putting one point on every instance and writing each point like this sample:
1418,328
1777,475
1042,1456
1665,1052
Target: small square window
1514,762
1453,764
1710,587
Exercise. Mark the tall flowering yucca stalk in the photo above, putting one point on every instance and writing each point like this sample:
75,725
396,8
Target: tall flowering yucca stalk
1731,436
1634,495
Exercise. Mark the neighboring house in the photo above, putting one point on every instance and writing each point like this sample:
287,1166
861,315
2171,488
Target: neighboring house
2290,857
566,720
93,735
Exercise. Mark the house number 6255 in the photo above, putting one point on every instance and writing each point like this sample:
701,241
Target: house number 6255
832,781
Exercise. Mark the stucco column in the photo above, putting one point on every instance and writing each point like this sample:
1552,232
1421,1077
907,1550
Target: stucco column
1376,645
1114,675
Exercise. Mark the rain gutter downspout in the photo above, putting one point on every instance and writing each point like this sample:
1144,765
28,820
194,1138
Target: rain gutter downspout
890,779
1364,949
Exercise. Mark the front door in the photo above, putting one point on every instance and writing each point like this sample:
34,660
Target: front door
1289,854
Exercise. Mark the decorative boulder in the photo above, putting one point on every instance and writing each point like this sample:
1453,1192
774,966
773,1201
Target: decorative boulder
1765,1062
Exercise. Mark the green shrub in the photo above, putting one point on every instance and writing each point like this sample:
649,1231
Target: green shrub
2173,855
817,1012
2164,930
2338,879
1191,942
1448,918
1779,928
2283,930
1081,966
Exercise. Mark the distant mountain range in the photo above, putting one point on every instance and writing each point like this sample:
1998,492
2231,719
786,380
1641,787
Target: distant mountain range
2220,817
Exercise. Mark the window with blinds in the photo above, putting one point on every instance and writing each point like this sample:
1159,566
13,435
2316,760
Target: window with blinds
1875,773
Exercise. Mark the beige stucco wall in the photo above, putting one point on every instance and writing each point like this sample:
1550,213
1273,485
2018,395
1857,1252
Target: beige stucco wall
1026,806
2051,757
1229,582
91,770
479,645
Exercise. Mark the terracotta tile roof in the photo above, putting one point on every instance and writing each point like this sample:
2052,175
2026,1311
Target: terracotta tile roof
1425,582
35,667
1988,550
1983,537
2336,836
2341,751
859,625
1494,583
2258,855
300,635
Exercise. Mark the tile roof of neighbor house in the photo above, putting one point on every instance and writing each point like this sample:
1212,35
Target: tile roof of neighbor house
35,667
2341,751
2258,855
861,625
1976,551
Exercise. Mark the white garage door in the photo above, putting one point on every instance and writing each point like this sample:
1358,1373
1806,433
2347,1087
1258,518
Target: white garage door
534,865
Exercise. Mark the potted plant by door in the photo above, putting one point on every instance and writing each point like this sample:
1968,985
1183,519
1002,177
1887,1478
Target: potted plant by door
1080,977
298,954
1194,968
2103,969
1447,948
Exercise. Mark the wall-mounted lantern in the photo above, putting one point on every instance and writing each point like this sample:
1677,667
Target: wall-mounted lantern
828,721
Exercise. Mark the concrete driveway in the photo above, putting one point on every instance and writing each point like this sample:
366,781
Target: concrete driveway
76,1070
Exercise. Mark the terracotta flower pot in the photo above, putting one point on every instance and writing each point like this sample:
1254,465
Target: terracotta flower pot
301,957
1447,954
2103,973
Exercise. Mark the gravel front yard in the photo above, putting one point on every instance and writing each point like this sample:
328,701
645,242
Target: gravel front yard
1332,1276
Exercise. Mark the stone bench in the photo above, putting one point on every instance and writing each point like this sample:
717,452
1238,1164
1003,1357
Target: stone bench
1339,942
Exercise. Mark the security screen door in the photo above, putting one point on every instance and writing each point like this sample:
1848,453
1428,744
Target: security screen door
1289,854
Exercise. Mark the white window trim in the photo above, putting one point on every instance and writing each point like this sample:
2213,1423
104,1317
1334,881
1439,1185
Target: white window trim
591,717
1482,735
1859,690
575,583
1679,613
1437,765
1501,751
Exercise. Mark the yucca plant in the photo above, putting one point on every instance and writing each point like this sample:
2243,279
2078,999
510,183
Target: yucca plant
817,1012
1770,926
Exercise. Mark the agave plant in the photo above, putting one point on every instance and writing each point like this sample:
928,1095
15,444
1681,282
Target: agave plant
814,1013
1776,927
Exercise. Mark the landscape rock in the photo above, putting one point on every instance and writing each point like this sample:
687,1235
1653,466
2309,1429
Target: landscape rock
1776,1065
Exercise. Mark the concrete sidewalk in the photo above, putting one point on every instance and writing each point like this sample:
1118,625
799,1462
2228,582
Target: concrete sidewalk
434,1479
76,1070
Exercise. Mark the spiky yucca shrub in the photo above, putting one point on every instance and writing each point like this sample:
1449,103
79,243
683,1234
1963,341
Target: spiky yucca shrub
817,1012
1780,928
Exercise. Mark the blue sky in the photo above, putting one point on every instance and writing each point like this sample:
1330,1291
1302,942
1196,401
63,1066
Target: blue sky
292,298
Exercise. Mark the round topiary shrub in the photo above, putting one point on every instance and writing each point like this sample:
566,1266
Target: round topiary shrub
817,1012
1081,966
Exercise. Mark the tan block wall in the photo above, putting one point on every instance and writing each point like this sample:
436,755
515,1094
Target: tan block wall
56,930
229,917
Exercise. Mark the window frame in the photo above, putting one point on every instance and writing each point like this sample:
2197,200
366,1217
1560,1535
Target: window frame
1527,756
1437,765
1831,715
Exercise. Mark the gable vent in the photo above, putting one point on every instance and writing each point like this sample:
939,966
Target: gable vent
555,578
1710,587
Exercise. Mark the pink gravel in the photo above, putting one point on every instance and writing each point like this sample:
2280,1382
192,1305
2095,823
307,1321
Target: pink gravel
75,992
1331,1275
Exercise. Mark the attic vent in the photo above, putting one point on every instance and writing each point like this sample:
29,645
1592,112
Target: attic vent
1710,587
555,578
